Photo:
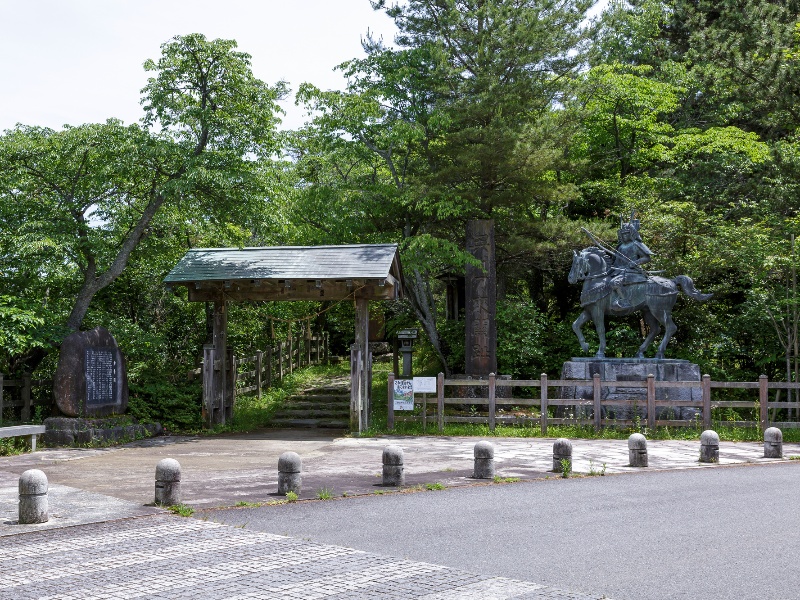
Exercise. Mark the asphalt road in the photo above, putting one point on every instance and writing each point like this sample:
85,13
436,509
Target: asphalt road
728,532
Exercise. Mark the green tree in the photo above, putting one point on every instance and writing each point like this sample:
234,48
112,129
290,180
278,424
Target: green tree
77,203
456,123
742,51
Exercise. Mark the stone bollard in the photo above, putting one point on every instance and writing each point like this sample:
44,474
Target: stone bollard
562,450
33,505
709,446
168,482
290,478
637,450
484,461
773,443
393,473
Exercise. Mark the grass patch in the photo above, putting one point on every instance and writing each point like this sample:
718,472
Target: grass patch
245,504
15,445
593,472
431,487
324,494
498,479
183,510
291,497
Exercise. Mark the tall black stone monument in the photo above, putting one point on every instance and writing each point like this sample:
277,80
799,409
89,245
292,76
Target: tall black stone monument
481,301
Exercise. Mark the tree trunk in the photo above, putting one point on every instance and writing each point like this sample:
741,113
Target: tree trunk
419,292
93,284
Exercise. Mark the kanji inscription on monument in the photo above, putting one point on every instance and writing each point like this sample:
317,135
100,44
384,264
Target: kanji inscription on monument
481,332
101,376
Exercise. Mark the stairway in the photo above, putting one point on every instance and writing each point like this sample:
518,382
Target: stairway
326,405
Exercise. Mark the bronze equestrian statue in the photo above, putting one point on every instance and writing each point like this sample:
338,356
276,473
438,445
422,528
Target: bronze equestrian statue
615,284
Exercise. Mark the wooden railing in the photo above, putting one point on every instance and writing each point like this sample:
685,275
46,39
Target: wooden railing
258,372
647,399
22,395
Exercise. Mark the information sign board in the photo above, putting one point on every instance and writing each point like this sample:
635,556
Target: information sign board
403,394
424,385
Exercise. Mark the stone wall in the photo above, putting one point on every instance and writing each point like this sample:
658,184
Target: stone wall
67,431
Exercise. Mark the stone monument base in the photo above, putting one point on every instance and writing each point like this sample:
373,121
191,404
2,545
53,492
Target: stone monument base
69,431
635,369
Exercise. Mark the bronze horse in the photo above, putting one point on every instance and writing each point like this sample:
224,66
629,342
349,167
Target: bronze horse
655,298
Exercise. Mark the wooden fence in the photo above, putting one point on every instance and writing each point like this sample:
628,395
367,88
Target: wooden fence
544,402
258,372
21,395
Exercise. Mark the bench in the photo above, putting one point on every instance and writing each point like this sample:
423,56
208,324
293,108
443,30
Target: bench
20,430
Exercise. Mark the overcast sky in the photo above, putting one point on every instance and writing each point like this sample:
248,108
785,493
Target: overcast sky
80,61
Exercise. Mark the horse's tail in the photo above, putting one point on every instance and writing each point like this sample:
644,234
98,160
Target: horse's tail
687,285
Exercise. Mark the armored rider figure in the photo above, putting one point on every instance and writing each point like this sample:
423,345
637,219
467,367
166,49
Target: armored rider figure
630,255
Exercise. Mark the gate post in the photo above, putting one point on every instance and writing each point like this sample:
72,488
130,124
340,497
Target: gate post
221,364
362,346
390,405
543,402
208,384
259,363
355,389
269,366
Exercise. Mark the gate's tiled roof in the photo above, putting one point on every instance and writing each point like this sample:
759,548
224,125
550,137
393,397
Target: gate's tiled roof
357,261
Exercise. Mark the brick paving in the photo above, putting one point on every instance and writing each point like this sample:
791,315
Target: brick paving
171,557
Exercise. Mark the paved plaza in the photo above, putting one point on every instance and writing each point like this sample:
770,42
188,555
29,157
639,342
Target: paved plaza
104,541
167,556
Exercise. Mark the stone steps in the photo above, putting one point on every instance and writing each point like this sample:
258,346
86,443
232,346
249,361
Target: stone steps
310,423
321,398
331,390
318,413
301,404
323,406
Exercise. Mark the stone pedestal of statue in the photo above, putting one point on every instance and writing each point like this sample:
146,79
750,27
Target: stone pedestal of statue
634,369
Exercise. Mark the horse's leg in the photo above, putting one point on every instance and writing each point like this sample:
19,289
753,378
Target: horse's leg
669,330
577,327
663,312
599,318
655,329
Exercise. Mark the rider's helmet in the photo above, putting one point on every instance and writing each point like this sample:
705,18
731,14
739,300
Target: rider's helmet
632,226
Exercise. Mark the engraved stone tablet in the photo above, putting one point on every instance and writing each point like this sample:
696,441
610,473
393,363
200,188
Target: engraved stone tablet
101,375
480,348
91,379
